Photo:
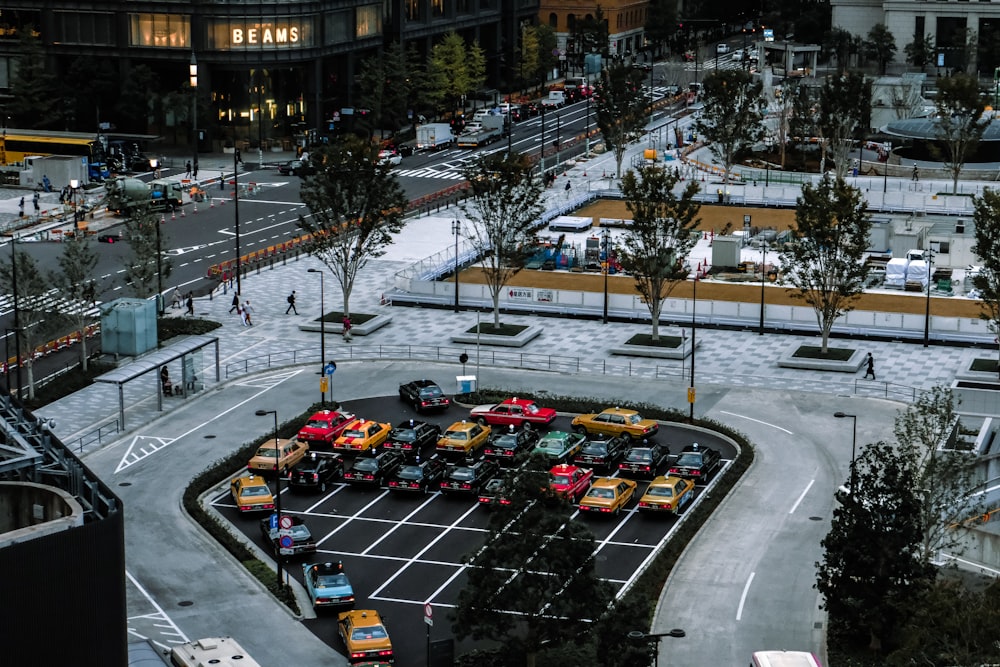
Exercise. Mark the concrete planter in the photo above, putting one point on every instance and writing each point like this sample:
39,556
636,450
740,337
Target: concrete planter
520,340
371,326
682,351
851,365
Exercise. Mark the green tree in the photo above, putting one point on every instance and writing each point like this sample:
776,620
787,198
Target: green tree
384,87
732,119
959,122
475,65
655,246
920,52
35,100
837,44
621,108
137,98
355,206
661,23
76,285
844,114
448,71
530,63
503,208
986,215
533,583
148,265
33,319
824,261
547,46
871,574
591,32
880,46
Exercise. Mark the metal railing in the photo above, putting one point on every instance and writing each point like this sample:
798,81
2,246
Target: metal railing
97,435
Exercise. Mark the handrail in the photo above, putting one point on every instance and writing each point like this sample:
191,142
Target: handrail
96,435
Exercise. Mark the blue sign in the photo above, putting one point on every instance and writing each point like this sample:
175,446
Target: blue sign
286,542
330,368
273,521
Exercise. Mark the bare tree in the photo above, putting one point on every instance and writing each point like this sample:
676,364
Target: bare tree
987,282
844,114
76,284
355,206
503,210
732,119
148,265
959,122
656,244
33,321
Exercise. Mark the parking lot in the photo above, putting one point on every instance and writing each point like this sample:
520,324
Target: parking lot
402,551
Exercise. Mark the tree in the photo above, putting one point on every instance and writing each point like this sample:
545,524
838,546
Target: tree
548,47
75,283
871,573
824,261
621,108
880,46
33,299
844,113
986,215
503,210
959,122
732,119
448,71
534,582
920,52
147,265
837,44
138,94
35,98
384,87
661,23
654,247
529,65
946,477
355,206
475,65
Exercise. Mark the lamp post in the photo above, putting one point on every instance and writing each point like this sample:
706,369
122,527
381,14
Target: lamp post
74,185
541,153
17,311
763,277
927,308
159,268
854,444
606,266
456,229
277,477
193,79
694,308
322,330
586,130
652,641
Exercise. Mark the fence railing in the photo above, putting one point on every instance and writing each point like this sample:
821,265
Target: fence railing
97,435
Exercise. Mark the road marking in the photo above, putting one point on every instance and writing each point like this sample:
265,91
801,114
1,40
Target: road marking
149,445
159,609
733,414
743,597
402,522
803,495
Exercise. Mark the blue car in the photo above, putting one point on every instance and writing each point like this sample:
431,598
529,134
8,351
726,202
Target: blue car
327,585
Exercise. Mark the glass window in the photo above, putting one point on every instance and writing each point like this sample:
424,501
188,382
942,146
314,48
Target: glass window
437,8
412,10
462,7
338,27
163,30
82,28
14,22
369,21
553,21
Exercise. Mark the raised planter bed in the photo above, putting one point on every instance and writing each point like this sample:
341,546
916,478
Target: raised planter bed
847,363
668,347
371,324
518,336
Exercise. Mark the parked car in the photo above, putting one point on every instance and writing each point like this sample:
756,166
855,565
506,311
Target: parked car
644,460
608,495
509,447
324,427
251,494
464,438
697,463
316,472
423,395
412,437
421,477
667,494
327,585
570,481
602,452
493,493
559,446
302,539
469,478
374,469
362,435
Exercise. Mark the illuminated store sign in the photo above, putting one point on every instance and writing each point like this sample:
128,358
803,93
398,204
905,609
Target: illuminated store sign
265,36
277,33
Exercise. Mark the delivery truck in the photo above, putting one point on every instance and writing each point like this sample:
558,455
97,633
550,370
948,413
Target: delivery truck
126,194
490,128
434,136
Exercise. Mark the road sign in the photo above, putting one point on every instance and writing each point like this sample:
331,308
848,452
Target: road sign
273,521
691,394
286,522
286,541
428,614
324,384
330,368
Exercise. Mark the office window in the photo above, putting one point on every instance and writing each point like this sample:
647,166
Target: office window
369,21
338,27
554,21
82,28
437,9
164,30
463,7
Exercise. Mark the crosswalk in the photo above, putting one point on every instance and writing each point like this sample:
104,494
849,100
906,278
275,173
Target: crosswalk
430,172
712,64
51,302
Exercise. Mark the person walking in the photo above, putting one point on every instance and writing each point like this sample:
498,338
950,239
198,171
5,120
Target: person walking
194,170
187,169
236,303
347,329
175,299
21,205
34,200
871,367
291,303
247,310
916,173
190,304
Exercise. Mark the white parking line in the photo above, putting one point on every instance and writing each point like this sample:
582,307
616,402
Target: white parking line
803,495
743,597
401,522
733,414
176,630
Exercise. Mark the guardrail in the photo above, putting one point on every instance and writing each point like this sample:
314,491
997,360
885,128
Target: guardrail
97,435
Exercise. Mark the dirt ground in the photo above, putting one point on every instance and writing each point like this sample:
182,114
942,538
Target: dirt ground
712,218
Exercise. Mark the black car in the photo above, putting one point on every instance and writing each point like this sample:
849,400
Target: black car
644,460
420,477
469,478
602,452
511,446
412,437
423,395
494,493
302,541
697,463
374,469
109,238
316,471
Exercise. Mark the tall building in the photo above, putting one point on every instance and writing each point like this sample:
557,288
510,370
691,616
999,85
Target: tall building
624,20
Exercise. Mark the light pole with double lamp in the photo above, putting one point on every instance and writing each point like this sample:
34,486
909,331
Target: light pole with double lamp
763,276
193,80
322,330
605,257
277,478
74,186
854,444
927,310
456,229
652,641
694,308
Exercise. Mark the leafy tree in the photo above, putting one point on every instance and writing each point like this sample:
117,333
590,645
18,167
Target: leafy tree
448,71
732,119
503,210
986,215
804,120
837,44
35,99
621,108
475,65
920,52
534,582
661,23
97,98
654,247
786,108
959,122
135,103
880,46
33,302
871,574
591,31
148,265
384,87
76,284
844,114
547,45
530,63
824,261
355,206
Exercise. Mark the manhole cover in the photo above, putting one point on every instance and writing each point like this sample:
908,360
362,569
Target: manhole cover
209,436
125,484
185,603
815,518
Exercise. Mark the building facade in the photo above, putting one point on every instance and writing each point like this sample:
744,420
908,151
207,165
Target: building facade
266,71
625,22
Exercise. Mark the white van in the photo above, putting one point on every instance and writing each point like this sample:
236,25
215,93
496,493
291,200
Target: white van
784,659
721,49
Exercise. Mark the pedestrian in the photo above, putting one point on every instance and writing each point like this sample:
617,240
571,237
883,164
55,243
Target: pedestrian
190,304
194,171
236,303
871,367
239,158
34,200
347,329
291,303
21,214
916,173
246,313
187,169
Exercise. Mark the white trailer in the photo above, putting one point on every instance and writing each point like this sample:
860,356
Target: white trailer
434,136
61,169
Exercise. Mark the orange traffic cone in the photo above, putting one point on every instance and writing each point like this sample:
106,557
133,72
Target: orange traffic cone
173,214
163,219
195,211
183,215
211,202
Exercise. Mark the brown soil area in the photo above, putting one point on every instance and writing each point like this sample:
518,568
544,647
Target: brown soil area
713,218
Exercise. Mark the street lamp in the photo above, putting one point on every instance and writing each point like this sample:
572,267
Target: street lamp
652,641
456,229
927,309
854,445
322,330
17,311
606,265
193,76
694,308
74,185
763,276
277,477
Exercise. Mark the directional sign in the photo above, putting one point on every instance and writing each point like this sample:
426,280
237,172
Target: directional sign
330,368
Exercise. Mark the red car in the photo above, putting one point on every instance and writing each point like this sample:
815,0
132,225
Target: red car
514,411
570,481
324,427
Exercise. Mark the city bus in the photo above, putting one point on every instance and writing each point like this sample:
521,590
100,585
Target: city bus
221,651
15,145
784,659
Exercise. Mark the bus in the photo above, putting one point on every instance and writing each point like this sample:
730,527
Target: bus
221,651
784,659
15,145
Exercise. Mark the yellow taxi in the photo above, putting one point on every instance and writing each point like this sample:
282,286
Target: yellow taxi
667,493
465,438
251,494
362,435
278,454
608,495
364,635
614,422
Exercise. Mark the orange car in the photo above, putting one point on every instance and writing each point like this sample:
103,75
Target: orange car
362,435
364,635
464,438
608,495
277,455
